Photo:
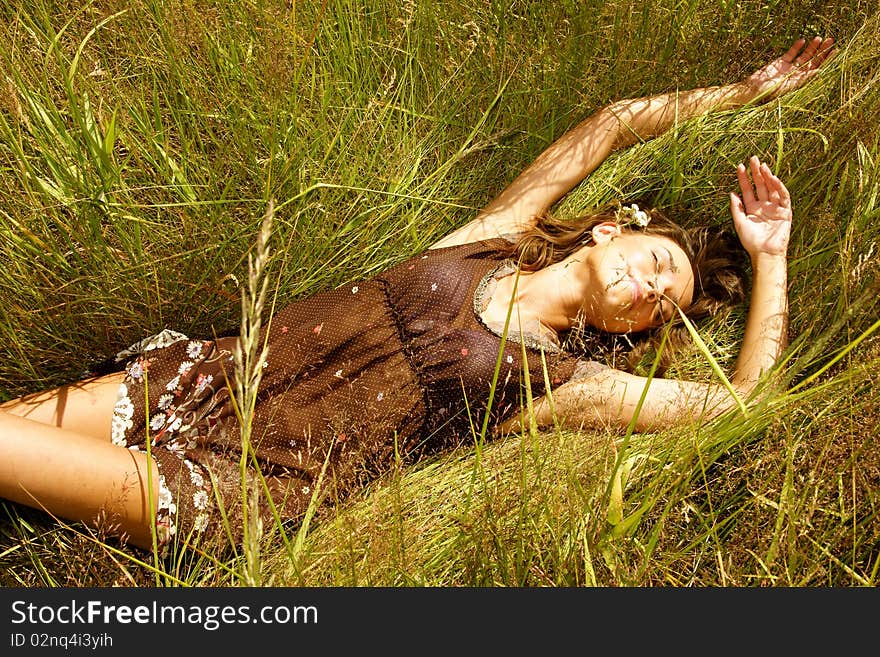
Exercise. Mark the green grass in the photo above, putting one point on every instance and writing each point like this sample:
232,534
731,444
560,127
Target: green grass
141,145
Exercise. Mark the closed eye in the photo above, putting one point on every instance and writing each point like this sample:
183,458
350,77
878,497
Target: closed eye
657,315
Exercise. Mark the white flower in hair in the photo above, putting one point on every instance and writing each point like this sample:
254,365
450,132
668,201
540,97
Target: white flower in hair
632,215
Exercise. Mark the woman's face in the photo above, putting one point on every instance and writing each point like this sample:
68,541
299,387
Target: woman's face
636,280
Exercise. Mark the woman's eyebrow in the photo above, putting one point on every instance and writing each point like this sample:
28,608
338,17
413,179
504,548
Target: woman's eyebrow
672,266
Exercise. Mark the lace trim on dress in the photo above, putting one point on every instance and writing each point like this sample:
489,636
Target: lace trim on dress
158,341
530,339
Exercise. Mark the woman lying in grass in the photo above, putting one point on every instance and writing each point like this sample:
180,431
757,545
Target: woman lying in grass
421,356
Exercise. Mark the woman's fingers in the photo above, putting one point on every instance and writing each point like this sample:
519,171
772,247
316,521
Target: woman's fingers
792,52
817,52
762,187
781,191
777,192
736,206
757,168
808,56
809,51
748,194
826,52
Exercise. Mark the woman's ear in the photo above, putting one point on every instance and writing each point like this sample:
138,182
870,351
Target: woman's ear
605,231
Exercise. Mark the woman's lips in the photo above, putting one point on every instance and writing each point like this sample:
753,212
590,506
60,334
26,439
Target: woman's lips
636,290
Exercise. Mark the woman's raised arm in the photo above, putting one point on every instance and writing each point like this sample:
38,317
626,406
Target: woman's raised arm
608,397
578,152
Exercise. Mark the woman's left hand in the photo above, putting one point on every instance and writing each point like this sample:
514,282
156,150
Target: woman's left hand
762,217
790,71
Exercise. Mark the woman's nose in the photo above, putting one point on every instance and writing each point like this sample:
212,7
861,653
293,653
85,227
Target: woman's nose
652,294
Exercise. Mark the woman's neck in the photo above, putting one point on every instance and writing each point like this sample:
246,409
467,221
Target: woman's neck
548,300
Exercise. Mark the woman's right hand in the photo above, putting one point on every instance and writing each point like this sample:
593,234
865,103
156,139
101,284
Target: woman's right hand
791,70
762,217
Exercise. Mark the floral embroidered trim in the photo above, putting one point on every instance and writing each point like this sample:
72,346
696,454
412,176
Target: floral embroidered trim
166,512
123,411
162,339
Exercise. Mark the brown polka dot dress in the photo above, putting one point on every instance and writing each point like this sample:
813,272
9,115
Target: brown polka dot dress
397,365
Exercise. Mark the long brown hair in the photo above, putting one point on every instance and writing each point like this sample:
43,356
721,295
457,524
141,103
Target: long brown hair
716,258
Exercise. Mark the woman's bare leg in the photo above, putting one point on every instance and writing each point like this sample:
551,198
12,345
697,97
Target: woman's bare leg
85,408
76,477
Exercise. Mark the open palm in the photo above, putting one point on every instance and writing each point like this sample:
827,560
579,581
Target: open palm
762,217
791,70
